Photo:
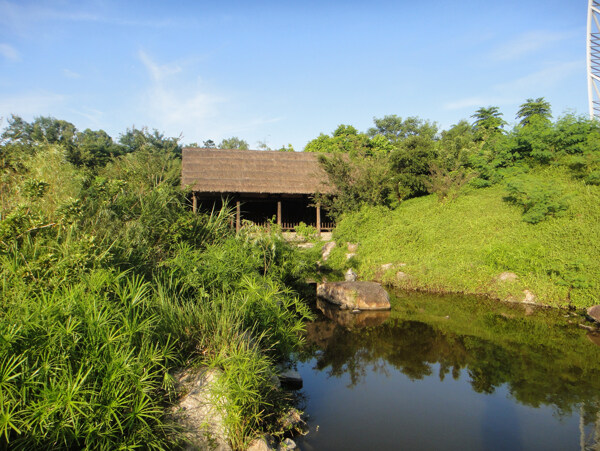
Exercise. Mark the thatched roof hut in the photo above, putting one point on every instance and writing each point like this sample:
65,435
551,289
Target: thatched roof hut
260,181
252,171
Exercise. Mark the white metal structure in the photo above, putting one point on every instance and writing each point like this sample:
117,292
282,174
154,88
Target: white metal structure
593,57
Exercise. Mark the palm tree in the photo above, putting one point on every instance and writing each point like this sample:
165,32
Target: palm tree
488,121
531,107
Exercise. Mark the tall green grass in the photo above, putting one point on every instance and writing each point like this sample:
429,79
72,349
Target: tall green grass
112,285
464,244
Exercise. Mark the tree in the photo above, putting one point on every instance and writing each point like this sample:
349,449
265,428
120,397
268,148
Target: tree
488,122
94,148
18,131
209,144
345,139
411,166
538,107
233,143
456,145
142,139
288,148
358,180
395,129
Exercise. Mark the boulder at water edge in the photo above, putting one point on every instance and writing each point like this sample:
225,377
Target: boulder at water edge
594,313
355,295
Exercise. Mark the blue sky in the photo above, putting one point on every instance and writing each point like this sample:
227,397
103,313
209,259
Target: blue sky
281,71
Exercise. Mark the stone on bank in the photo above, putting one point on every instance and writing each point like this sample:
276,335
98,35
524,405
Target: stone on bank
355,295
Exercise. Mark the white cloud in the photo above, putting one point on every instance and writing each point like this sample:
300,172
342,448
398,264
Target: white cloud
476,101
158,72
177,105
542,79
528,43
70,74
171,102
31,104
24,17
93,116
515,91
9,52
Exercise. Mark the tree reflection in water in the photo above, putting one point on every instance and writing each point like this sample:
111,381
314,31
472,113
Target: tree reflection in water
542,359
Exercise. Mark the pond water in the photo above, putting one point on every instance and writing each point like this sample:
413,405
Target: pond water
450,373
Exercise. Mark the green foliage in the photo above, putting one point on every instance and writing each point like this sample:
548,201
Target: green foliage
94,149
488,122
538,108
358,181
410,164
395,129
108,282
306,232
538,199
534,140
463,245
83,365
154,142
446,184
233,143
345,139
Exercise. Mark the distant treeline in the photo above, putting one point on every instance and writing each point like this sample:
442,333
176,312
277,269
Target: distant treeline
400,158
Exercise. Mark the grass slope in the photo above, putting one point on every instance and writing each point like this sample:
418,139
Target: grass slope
464,244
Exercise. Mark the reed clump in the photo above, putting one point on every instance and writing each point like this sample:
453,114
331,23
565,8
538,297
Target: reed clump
108,283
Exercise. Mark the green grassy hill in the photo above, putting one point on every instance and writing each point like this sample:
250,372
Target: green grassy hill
463,245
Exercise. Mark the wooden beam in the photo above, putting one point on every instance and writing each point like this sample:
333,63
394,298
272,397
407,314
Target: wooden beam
238,214
194,203
319,219
279,213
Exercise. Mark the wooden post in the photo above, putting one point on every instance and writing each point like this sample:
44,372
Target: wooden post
279,213
319,219
238,214
194,203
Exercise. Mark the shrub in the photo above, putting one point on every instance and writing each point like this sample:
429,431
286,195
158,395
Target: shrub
538,199
306,232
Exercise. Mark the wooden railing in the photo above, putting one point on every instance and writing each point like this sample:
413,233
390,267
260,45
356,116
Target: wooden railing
291,226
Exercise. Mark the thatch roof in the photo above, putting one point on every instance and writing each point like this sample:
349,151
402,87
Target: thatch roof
252,171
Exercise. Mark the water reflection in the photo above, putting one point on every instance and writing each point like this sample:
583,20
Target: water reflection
348,319
507,358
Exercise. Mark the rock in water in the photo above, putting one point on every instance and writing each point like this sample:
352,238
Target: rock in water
261,444
355,295
594,313
287,444
290,379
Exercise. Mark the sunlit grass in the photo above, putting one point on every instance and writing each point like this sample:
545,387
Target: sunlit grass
463,245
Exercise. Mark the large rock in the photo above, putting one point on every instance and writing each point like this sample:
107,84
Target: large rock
594,312
262,444
326,250
355,295
350,275
507,277
290,379
197,412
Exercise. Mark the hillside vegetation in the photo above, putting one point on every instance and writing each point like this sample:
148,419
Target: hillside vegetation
464,245
109,284
453,210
